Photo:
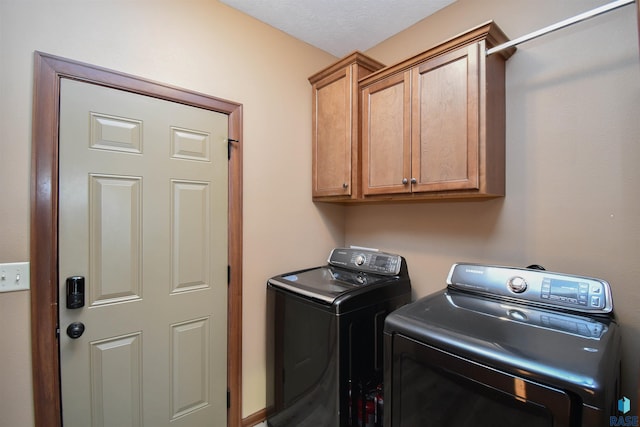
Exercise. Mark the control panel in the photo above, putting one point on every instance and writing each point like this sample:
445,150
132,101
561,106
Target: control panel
584,294
366,260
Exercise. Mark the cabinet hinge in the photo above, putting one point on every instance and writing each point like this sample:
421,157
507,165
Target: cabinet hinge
228,398
230,141
228,275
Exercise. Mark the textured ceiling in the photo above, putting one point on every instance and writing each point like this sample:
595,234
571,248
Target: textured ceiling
339,26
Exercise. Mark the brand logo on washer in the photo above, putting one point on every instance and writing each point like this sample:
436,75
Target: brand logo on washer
471,270
624,406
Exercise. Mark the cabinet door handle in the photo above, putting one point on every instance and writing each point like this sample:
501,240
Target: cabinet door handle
404,180
413,180
345,185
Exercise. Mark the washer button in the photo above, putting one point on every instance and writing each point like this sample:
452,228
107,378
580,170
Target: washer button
517,284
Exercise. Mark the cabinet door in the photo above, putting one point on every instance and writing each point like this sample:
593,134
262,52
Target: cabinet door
332,118
445,122
386,133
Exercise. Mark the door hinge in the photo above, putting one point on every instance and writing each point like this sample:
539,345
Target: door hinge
228,399
228,275
230,141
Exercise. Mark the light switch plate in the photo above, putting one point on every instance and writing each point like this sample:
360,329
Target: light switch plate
14,276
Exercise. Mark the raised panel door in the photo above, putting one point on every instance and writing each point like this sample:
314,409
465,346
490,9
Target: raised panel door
386,148
445,122
332,143
143,217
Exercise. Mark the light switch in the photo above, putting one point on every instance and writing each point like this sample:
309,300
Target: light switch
14,276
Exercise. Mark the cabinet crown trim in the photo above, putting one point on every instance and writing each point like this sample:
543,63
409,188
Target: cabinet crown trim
490,32
355,57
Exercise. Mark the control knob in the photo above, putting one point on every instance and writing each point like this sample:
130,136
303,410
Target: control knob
360,259
517,284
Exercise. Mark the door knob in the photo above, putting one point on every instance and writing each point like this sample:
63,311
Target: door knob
75,330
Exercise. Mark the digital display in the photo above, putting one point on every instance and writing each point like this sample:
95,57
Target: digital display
380,261
564,288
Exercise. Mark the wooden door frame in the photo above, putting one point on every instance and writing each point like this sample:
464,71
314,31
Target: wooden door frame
48,70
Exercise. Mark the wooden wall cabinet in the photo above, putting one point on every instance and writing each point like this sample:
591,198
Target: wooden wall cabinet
335,142
433,126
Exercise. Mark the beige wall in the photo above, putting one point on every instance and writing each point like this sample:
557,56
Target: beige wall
203,46
573,133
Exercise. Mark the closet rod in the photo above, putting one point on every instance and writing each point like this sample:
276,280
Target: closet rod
570,21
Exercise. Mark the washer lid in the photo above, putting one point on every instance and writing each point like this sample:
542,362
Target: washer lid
556,346
324,283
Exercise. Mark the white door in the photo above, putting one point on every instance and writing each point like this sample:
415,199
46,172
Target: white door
143,219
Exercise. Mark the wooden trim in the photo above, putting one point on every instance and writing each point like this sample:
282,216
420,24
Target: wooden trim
43,249
48,70
488,31
358,58
255,418
234,331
